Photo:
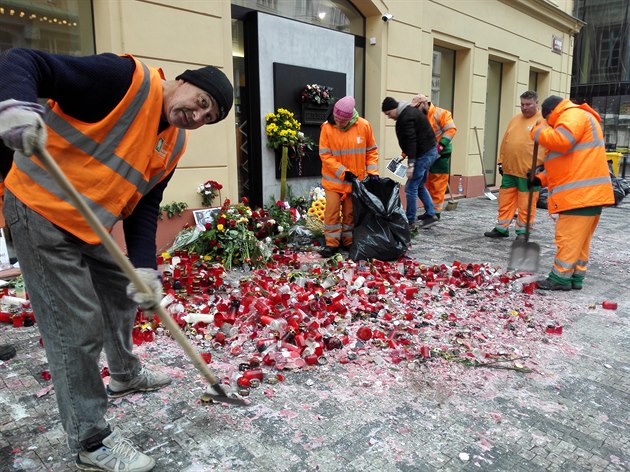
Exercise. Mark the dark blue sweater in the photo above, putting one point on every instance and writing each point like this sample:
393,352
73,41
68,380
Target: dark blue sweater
87,88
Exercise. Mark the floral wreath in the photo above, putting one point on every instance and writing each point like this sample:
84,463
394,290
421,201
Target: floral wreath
317,94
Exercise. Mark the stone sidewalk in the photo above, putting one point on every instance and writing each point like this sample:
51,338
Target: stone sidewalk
571,414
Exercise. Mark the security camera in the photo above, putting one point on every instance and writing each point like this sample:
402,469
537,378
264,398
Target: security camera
386,17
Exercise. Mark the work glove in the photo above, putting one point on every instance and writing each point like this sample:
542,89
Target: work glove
501,169
151,277
21,126
532,180
440,148
349,176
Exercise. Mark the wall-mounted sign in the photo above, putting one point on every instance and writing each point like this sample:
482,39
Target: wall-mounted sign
556,44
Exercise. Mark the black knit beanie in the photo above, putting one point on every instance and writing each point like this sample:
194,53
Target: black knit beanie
216,83
549,105
389,104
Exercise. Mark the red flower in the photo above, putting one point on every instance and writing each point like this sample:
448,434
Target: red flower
208,226
245,200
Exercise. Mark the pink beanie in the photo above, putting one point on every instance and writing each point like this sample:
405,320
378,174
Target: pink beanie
344,108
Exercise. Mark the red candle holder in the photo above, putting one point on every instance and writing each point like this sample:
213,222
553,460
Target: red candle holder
608,305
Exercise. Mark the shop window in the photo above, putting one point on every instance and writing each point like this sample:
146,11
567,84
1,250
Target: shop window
56,26
443,77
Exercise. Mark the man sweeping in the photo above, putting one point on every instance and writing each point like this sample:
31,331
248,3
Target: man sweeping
117,128
577,175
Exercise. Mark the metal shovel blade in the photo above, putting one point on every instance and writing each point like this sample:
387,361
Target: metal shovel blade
489,195
524,256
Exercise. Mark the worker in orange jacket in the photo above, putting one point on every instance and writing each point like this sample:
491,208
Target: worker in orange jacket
577,176
117,128
348,151
515,159
444,128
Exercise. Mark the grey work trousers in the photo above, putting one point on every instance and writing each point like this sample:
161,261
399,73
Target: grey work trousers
79,300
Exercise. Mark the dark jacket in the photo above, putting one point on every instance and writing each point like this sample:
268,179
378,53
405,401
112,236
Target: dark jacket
414,132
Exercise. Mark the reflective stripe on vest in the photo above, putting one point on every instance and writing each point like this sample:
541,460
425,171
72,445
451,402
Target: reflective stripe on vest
439,130
113,151
577,147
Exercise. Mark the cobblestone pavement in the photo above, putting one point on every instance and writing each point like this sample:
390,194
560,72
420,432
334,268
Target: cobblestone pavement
571,414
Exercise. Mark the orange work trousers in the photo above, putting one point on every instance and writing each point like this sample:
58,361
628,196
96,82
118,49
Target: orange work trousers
338,219
510,200
436,185
573,242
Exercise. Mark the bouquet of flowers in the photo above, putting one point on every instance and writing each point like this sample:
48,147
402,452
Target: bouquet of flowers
274,222
230,238
283,131
317,94
209,191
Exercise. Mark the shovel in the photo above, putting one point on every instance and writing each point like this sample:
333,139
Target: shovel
451,205
216,391
524,256
486,190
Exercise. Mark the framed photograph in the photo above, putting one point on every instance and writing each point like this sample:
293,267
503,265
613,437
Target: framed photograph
207,215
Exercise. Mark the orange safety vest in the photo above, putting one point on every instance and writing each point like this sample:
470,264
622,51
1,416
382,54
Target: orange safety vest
517,146
112,163
576,171
442,123
354,150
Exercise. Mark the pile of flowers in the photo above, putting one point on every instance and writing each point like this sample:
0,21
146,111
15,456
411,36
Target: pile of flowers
317,94
209,190
274,222
230,239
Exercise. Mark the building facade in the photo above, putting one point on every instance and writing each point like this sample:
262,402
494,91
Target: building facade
601,67
474,57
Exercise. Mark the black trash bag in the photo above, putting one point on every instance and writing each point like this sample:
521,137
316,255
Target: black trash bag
618,190
542,198
381,230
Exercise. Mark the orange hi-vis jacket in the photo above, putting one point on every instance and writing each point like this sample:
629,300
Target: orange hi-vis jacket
354,150
443,126
112,163
576,171
517,146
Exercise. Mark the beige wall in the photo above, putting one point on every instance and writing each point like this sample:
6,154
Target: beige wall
189,33
178,35
517,33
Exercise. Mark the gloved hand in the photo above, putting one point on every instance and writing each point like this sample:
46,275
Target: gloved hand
151,277
440,148
501,169
21,125
374,178
532,180
349,176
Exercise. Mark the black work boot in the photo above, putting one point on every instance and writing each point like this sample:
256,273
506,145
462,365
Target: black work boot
549,284
495,233
7,351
